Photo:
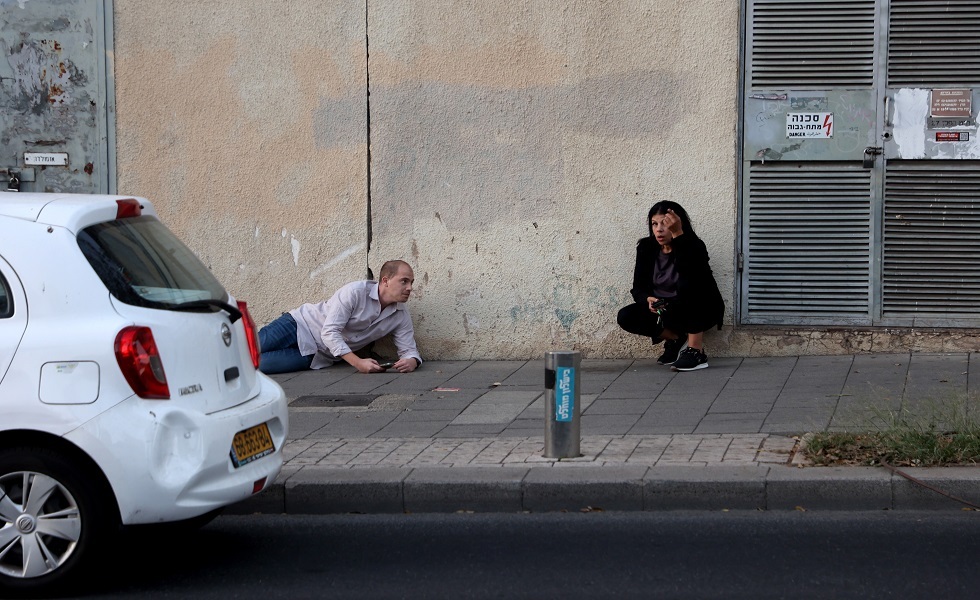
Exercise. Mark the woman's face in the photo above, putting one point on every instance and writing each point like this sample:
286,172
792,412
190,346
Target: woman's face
660,230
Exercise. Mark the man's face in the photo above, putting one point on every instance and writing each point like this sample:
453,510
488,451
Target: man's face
397,288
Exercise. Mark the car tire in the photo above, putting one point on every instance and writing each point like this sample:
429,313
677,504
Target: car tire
53,520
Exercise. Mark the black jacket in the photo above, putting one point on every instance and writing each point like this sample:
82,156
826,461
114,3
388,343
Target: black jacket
697,292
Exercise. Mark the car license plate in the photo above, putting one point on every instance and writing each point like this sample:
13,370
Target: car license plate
251,444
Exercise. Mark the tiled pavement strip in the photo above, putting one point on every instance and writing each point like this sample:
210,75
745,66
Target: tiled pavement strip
690,450
739,411
742,418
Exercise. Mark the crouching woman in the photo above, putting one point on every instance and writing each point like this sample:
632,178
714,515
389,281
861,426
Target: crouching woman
675,293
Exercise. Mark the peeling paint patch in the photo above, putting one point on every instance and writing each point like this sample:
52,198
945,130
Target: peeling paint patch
526,314
42,79
473,294
911,111
295,245
564,302
566,317
335,260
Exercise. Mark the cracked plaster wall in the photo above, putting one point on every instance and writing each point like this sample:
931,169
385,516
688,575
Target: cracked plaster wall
515,149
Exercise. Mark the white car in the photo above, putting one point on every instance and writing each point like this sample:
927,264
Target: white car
129,390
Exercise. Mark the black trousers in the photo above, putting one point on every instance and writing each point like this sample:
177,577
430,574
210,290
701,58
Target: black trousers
637,318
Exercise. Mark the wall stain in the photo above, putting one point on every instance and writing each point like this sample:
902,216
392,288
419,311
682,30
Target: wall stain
504,146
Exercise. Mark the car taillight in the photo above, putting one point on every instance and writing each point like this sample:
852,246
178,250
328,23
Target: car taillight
130,207
139,360
250,333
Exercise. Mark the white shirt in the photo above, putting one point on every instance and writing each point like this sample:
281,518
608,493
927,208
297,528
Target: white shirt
350,320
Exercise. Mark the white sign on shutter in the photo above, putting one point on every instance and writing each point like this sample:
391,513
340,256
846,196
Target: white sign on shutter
809,125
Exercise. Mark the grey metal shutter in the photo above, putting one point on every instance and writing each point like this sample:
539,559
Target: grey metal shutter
931,44
931,216
807,44
807,218
931,237
809,243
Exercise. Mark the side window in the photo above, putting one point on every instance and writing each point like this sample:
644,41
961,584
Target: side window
6,301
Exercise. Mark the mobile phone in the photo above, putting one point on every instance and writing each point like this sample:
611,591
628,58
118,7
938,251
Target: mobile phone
387,365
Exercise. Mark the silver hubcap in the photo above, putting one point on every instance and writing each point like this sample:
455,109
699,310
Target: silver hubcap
40,524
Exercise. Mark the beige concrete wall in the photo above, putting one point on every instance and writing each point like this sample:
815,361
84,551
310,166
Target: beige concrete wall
245,123
516,147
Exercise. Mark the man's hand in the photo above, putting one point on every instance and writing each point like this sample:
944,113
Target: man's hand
405,365
369,365
363,365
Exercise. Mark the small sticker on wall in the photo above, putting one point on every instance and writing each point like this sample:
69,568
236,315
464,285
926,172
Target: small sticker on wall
46,159
952,136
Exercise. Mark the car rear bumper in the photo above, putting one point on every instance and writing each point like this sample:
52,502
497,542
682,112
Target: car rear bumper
171,463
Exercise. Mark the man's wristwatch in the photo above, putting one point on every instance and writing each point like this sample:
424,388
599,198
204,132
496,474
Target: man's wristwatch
418,363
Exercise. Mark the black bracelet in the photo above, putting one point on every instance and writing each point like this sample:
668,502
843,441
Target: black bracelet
418,363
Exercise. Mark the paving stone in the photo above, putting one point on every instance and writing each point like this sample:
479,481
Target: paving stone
731,423
607,424
423,429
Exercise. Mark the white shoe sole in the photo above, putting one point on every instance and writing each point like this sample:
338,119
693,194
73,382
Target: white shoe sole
703,365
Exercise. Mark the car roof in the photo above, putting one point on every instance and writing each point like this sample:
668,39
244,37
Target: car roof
72,211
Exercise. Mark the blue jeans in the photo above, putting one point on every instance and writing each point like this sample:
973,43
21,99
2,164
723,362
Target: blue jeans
280,352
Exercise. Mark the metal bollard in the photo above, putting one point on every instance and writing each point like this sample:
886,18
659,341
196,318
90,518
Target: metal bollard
562,411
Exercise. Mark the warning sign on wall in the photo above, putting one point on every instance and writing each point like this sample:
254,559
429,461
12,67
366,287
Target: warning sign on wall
951,103
810,125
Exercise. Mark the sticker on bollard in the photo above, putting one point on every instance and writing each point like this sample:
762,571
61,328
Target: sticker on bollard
564,393
562,431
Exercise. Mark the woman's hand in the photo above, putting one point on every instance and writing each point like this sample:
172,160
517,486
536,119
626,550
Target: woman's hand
650,302
673,223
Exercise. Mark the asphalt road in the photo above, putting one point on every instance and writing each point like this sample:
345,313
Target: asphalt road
576,555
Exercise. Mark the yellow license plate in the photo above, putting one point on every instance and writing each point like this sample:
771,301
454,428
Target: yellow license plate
251,444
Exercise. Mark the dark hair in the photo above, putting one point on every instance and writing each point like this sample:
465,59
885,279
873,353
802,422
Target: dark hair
661,208
390,268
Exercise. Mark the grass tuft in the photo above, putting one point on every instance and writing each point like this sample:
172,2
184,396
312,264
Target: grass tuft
933,434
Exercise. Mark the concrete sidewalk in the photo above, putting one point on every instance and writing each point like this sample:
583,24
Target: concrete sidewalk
469,436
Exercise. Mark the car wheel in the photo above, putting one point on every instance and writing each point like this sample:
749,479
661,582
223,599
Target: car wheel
51,518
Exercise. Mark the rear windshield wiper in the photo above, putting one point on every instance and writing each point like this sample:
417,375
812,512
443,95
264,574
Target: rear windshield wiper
233,313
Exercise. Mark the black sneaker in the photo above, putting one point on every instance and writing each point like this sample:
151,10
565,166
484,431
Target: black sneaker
671,349
691,359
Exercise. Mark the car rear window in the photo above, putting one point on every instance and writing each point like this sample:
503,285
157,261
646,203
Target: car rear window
143,263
